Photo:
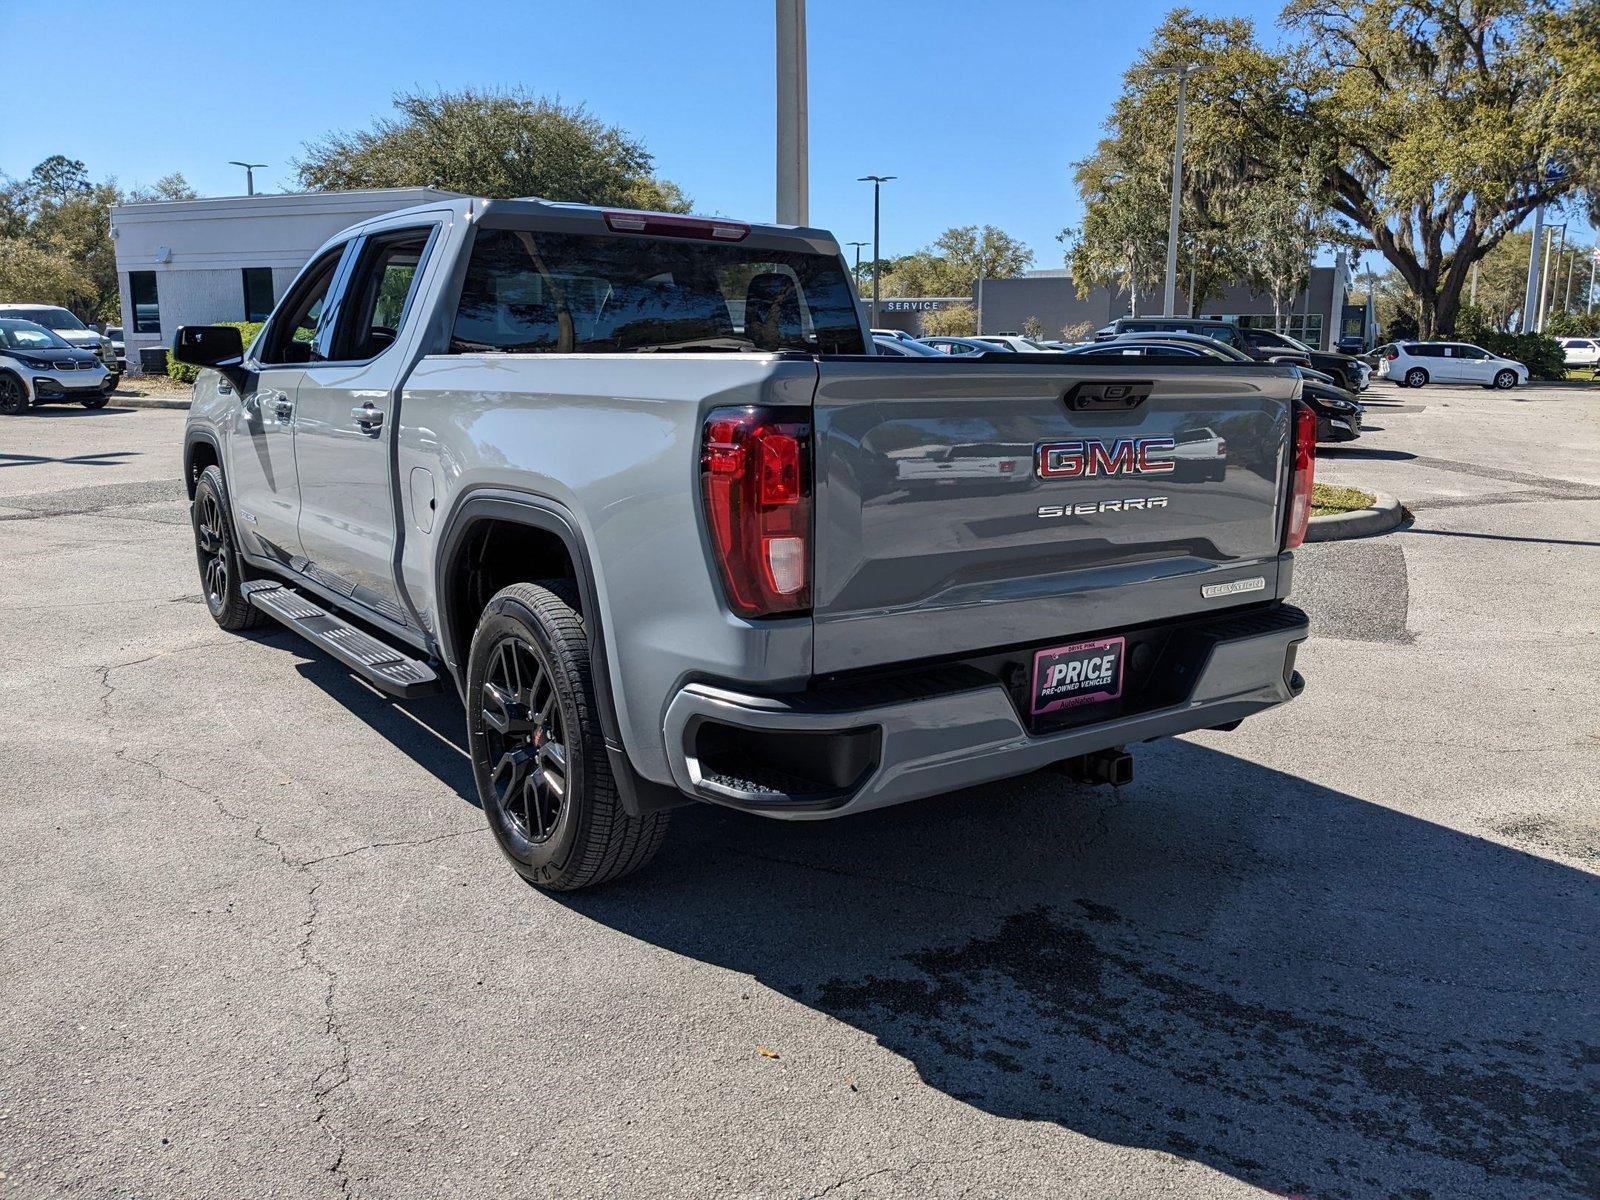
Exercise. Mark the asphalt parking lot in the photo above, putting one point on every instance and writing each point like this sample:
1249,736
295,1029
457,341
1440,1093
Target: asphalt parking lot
255,940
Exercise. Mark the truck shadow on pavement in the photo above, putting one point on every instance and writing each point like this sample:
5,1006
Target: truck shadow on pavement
1315,994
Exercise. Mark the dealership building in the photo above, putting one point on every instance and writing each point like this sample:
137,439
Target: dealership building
196,262
1319,315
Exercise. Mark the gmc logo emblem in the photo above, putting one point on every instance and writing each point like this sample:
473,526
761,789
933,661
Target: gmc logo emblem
1090,460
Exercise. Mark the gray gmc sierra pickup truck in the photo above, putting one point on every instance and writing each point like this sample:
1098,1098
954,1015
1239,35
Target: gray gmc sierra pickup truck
638,487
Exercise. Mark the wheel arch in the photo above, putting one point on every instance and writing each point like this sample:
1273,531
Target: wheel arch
559,551
200,450
27,387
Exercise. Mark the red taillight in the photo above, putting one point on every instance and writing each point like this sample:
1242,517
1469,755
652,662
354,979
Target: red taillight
755,473
1305,460
662,225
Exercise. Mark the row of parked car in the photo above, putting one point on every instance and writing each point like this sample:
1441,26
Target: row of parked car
1331,381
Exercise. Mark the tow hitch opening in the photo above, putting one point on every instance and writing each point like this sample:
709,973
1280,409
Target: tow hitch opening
1113,766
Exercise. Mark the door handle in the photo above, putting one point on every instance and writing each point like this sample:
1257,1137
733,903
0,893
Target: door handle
284,407
367,417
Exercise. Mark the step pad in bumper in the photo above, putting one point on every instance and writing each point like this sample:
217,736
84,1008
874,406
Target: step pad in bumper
385,668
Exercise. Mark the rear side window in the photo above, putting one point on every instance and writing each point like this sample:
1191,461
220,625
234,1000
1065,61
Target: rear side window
380,292
562,293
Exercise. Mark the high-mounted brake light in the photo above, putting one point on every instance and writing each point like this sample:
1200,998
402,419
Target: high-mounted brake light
1305,459
755,475
663,225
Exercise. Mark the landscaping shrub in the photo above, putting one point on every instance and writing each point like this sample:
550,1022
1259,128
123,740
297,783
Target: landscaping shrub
1541,353
184,373
1575,324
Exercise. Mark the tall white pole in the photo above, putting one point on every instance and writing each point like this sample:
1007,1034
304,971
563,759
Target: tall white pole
794,152
1530,302
1170,297
1594,261
1544,275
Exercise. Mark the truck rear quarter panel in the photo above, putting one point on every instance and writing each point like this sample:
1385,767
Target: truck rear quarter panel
614,440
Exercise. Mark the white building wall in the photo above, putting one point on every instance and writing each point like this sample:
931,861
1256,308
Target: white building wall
198,248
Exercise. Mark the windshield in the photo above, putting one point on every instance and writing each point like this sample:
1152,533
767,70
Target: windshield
563,293
26,335
50,318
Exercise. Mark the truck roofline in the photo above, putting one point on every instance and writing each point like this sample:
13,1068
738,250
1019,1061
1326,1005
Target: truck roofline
582,218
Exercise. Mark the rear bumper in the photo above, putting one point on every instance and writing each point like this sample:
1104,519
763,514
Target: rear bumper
921,735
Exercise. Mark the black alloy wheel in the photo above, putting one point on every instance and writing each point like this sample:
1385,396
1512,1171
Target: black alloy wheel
212,549
525,742
13,396
220,573
539,756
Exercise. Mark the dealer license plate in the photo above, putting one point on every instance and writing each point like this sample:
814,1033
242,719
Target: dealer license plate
1082,673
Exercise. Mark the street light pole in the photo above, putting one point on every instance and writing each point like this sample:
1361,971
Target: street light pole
1530,303
858,246
1545,281
794,153
249,174
877,182
1170,297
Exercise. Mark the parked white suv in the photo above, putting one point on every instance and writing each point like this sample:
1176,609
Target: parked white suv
1414,364
1580,352
37,366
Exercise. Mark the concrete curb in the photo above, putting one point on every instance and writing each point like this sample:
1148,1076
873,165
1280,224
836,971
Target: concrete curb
1382,515
148,402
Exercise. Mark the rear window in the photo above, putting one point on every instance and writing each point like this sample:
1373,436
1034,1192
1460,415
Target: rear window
562,293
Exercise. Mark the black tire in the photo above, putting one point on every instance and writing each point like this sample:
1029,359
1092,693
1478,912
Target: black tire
13,395
1505,380
95,401
538,753
113,382
218,557
1416,377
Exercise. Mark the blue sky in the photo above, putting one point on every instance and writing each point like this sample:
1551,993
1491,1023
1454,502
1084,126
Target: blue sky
978,107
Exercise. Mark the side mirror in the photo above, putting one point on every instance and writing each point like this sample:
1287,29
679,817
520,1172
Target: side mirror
216,346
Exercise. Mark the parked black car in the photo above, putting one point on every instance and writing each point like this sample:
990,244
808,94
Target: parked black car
1346,370
1338,412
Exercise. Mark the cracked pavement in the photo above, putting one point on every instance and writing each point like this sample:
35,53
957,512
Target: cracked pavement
255,939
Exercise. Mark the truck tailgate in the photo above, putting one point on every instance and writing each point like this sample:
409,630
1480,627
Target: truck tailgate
963,506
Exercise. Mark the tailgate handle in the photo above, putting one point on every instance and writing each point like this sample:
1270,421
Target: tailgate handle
1114,394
